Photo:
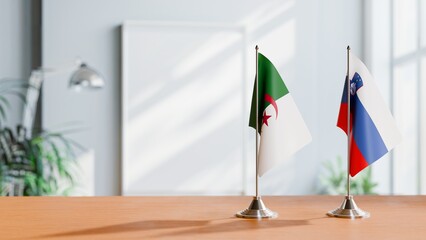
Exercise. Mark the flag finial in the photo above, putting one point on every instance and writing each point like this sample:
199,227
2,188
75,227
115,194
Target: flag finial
257,47
349,48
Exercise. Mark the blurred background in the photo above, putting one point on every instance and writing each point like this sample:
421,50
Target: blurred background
172,115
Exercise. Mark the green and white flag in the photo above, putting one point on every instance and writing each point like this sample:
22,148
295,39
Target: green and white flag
281,127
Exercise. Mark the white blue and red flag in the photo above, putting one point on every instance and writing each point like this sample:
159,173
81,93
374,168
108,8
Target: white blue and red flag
373,129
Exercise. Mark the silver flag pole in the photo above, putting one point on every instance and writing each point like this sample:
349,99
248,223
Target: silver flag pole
348,89
257,121
348,208
257,208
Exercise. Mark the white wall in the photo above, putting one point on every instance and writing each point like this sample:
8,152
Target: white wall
340,24
15,47
309,51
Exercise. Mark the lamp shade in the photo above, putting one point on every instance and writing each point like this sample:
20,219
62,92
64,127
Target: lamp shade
86,77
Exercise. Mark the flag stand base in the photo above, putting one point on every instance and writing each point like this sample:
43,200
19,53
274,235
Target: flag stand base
257,209
348,209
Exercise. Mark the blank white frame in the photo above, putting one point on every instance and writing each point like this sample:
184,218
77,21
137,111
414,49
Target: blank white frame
125,101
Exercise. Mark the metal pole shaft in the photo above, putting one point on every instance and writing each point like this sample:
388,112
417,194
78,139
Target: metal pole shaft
349,123
257,125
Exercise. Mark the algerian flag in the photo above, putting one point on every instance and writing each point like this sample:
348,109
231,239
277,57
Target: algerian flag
282,129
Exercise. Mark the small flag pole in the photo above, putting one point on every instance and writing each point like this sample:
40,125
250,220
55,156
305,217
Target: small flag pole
257,208
348,208
257,121
348,89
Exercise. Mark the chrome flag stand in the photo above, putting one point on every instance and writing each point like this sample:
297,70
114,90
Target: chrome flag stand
348,209
257,208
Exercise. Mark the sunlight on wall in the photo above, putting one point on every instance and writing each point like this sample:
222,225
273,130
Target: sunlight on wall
267,13
405,111
189,93
214,45
196,96
405,12
280,46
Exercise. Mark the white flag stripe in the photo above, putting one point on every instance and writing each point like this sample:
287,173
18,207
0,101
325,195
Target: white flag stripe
283,136
375,105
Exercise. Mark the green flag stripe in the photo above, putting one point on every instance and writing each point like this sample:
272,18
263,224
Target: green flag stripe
270,82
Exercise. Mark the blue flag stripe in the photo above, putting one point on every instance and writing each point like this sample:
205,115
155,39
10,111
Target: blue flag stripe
365,134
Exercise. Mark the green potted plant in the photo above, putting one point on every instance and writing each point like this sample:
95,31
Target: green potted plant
333,180
40,164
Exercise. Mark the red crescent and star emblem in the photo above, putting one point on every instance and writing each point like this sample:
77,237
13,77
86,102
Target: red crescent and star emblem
270,100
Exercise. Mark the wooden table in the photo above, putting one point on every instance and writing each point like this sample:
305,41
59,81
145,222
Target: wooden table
392,217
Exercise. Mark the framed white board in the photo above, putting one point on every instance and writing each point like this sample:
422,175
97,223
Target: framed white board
183,109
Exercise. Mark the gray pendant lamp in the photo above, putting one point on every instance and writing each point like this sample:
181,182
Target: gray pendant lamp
86,77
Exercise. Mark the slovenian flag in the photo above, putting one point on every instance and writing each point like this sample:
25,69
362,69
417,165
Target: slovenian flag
281,127
373,129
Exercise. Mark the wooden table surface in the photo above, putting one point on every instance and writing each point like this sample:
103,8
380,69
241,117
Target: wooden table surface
392,217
